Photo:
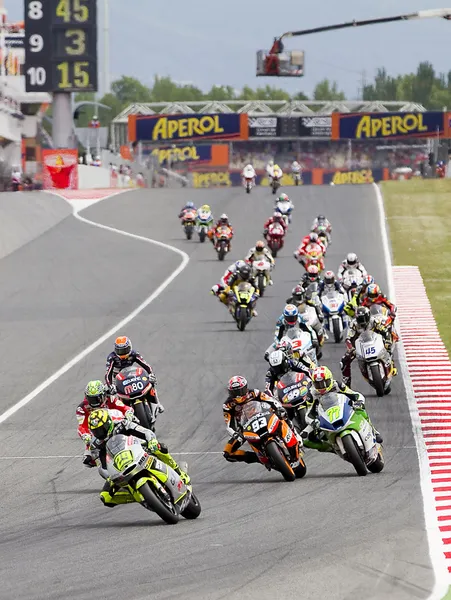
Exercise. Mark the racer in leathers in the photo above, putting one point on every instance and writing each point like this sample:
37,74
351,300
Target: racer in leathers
374,296
205,217
102,428
276,218
286,203
277,172
238,395
97,395
321,221
260,252
330,283
291,318
124,356
351,262
242,275
296,168
323,383
299,296
189,206
219,288
358,296
269,169
364,321
223,221
310,276
311,238
248,172
281,361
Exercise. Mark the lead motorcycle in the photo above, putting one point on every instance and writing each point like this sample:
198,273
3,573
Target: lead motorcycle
349,434
149,481
135,389
266,434
189,223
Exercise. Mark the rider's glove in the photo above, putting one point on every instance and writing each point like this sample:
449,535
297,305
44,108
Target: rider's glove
130,415
87,438
357,404
238,437
112,391
215,289
153,445
159,408
152,378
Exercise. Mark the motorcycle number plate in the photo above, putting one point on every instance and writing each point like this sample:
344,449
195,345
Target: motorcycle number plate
369,350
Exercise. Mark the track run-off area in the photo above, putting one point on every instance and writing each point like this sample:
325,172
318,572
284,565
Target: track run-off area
65,291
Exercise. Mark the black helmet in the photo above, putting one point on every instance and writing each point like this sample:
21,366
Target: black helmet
329,278
362,317
244,272
279,363
321,218
122,347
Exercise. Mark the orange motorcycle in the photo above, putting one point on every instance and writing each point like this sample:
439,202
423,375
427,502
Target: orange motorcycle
223,237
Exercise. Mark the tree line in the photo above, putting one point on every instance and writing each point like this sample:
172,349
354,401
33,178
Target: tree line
425,86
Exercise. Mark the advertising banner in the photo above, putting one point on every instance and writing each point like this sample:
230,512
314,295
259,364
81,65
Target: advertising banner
209,154
60,169
315,126
357,176
263,127
181,128
387,125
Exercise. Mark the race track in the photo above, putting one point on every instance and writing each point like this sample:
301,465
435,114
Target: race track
331,535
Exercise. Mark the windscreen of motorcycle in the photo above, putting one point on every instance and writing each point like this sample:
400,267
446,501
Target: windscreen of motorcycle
132,383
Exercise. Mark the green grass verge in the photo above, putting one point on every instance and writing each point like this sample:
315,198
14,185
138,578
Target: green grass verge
419,219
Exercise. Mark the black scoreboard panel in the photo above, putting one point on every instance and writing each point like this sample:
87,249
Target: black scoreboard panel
289,127
61,45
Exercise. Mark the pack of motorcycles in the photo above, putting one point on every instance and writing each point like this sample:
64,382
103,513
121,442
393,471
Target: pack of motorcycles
339,428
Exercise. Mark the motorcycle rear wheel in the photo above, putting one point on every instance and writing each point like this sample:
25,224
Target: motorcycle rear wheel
189,234
169,514
279,461
141,413
338,335
261,283
377,465
377,380
202,236
222,252
193,510
354,455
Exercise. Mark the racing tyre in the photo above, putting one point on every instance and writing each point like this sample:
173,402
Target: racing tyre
242,321
338,333
141,413
222,252
189,234
279,461
377,380
274,252
261,284
354,455
248,190
193,510
164,510
378,464
301,470
202,236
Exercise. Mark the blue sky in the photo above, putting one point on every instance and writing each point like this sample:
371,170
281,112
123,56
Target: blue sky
208,43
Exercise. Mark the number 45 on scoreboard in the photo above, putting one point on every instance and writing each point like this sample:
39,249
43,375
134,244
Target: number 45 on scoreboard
60,45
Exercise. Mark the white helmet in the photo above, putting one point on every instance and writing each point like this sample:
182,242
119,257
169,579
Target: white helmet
352,259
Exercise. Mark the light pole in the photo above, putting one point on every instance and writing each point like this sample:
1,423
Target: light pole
106,47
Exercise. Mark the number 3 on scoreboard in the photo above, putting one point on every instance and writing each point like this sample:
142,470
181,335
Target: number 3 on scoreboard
81,75
69,10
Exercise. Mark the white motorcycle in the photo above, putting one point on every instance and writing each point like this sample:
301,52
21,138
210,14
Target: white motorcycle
375,362
302,343
248,183
335,318
262,273
285,209
352,278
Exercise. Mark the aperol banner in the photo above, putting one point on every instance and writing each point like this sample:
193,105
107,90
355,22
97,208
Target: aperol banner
358,126
181,128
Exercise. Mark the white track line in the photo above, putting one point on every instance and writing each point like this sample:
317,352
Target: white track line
435,542
70,364
59,456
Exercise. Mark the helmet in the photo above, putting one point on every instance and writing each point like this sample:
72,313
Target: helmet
279,362
224,219
290,315
368,280
189,205
352,259
321,218
260,246
276,167
373,291
95,393
205,207
313,237
244,272
362,318
239,263
298,293
237,388
122,347
313,273
329,278
271,163
285,347
283,198
323,380
100,423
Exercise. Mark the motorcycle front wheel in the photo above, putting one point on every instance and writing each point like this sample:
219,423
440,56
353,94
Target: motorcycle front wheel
354,455
193,509
378,384
279,461
141,414
164,510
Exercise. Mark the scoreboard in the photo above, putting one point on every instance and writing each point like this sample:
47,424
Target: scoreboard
61,45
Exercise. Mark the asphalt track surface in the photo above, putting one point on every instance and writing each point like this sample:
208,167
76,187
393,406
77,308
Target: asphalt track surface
330,535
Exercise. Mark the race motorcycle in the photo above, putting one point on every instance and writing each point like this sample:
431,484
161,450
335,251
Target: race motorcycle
134,389
351,280
261,273
275,238
149,481
285,209
293,392
189,223
375,362
275,183
240,305
223,237
297,178
335,318
265,433
349,434
312,255
203,224
248,183
301,343
323,236
310,316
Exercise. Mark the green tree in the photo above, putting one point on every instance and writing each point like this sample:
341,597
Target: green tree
325,91
129,90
